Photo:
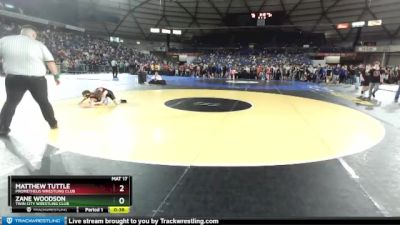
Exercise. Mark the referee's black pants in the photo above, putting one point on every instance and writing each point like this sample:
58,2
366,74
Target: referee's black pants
16,86
115,71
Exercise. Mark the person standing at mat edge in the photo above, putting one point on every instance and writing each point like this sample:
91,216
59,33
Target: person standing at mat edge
114,66
24,63
396,97
376,79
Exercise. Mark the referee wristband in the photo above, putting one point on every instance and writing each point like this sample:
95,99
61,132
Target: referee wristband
57,76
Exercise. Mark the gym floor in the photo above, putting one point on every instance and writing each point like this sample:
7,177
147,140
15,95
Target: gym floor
218,148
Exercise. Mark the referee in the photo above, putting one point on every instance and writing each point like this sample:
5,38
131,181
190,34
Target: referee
24,63
114,66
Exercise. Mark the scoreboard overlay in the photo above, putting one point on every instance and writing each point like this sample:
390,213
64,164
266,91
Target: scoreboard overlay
74,194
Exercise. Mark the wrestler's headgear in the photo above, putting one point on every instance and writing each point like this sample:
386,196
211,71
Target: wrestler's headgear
86,93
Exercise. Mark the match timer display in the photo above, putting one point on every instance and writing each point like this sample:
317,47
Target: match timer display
75,194
261,15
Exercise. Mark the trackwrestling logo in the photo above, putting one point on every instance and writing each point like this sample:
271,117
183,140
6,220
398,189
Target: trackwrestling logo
33,220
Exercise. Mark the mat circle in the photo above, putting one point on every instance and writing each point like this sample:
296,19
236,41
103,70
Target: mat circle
208,104
276,130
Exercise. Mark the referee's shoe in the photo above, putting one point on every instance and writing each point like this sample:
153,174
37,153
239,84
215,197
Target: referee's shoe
55,126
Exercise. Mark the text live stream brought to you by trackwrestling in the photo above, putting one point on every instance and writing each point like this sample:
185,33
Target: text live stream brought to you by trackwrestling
9,220
60,220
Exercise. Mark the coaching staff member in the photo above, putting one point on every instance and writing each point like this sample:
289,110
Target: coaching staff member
24,63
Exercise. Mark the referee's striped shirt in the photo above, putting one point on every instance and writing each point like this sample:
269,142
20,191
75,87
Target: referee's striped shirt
24,56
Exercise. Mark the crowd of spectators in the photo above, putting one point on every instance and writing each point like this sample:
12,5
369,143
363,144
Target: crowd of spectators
285,67
81,52
223,62
7,28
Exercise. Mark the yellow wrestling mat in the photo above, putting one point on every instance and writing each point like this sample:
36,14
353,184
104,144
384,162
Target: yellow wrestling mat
276,130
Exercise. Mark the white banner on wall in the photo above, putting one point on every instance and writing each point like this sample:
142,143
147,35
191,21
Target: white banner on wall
366,49
318,62
332,59
183,58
